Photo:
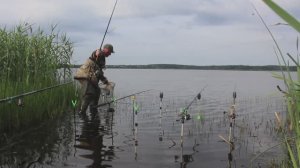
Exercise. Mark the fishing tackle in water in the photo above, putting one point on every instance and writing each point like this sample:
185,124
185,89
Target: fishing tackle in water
115,100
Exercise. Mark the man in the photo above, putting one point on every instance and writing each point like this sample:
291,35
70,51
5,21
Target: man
89,75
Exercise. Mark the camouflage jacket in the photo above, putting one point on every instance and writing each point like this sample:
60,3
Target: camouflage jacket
92,70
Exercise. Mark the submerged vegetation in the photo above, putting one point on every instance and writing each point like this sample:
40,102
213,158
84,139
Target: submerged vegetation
31,60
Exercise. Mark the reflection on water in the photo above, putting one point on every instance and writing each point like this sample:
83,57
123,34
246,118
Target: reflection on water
184,159
91,138
47,145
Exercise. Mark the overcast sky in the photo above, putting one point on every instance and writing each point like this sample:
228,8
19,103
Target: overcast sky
191,32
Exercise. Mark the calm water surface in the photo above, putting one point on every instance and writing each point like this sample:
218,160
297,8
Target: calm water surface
111,139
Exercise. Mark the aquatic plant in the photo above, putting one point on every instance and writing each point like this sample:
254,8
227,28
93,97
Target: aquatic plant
291,133
31,60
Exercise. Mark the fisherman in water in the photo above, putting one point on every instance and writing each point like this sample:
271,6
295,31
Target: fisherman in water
89,75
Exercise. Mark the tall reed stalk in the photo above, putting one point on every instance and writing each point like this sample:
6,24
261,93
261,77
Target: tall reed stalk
31,60
291,133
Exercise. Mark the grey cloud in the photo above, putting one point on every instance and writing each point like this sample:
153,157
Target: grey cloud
153,31
82,24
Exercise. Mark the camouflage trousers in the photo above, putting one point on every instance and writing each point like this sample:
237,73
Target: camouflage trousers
90,96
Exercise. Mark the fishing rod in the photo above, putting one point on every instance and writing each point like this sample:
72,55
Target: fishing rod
108,24
32,92
195,98
107,103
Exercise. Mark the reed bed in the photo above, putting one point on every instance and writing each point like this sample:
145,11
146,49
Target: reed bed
31,60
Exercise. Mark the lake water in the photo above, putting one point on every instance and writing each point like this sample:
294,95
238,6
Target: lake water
153,139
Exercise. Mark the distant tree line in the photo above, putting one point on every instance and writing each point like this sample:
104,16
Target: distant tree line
207,67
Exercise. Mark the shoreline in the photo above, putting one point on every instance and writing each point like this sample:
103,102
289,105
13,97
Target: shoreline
206,67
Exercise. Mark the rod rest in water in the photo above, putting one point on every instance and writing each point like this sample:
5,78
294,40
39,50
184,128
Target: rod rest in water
232,117
185,116
161,96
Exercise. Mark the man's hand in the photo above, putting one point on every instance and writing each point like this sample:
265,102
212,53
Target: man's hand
97,53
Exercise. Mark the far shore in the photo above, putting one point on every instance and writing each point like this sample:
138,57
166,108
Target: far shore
206,67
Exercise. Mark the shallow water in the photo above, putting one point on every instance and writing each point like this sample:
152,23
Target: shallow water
110,139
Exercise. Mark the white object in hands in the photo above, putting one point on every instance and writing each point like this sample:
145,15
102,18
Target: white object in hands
107,91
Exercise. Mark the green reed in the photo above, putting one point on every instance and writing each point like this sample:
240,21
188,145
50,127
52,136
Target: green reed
291,132
31,60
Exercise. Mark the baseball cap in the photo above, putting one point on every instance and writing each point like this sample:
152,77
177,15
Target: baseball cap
110,47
